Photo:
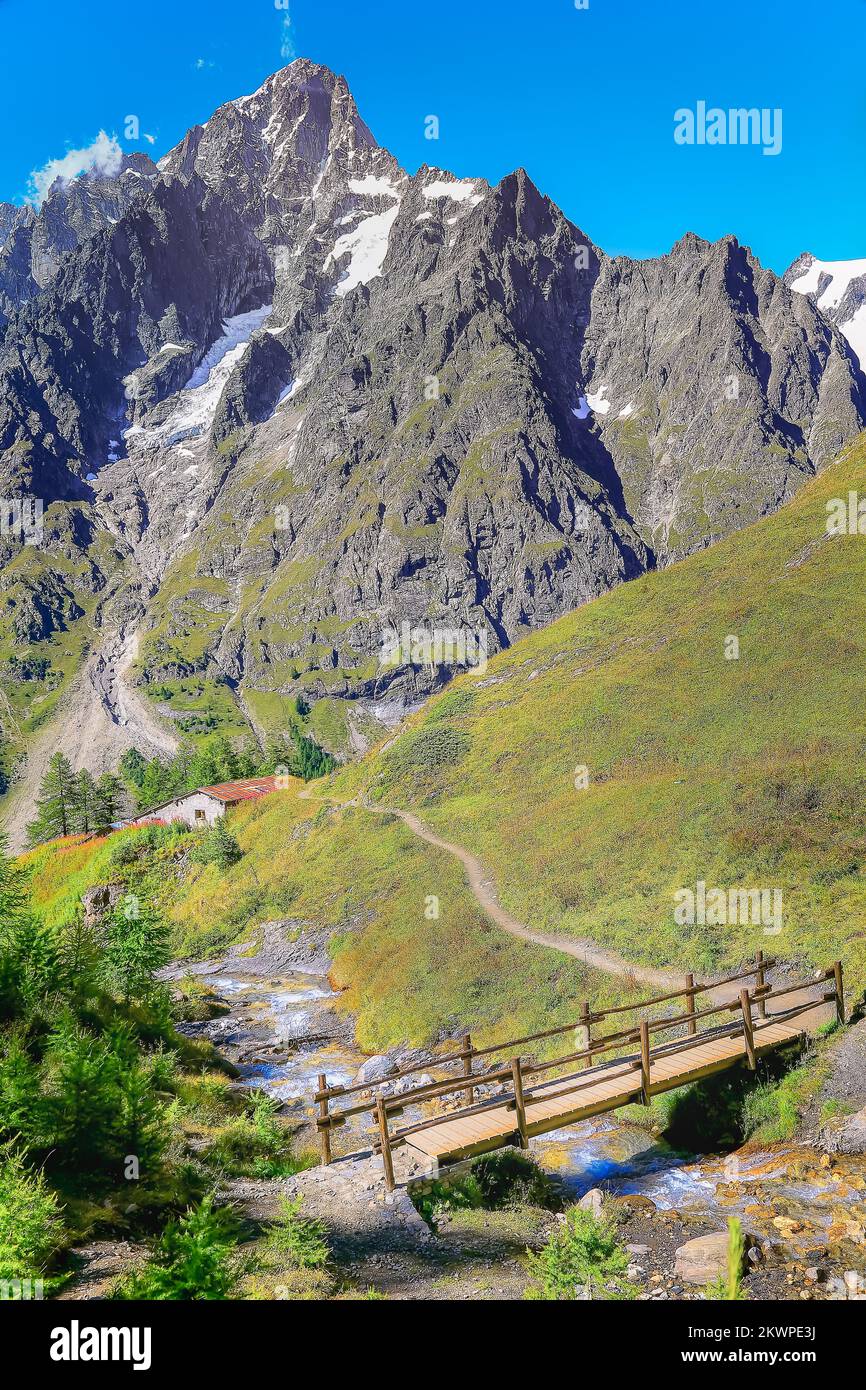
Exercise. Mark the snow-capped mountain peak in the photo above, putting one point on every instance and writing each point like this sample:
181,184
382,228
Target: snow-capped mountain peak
838,289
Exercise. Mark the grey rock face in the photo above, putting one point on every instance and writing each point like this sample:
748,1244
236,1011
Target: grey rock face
176,265
845,1135
32,245
343,399
838,289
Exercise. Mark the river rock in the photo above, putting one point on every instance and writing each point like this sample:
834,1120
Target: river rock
702,1259
376,1069
592,1201
635,1201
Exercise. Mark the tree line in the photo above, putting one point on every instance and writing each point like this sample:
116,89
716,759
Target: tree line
217,761
76,803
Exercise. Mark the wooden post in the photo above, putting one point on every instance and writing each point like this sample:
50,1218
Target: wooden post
325,1131
690,1004
645,1062
746,1006
759,985
840,991
385,1140
584,1027
519,1105
466,1054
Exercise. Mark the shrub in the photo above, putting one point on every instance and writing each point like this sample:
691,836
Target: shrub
257,1144
451,705
582,1252
440,1198
300,1240
496,1181
510,1179
426,750
30,1222
192,1260
218,847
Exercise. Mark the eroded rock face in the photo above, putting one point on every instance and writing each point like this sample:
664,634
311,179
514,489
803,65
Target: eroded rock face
844,1135
33,243
99,903
317,399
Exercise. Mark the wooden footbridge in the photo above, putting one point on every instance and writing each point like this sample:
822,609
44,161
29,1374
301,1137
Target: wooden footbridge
511,1101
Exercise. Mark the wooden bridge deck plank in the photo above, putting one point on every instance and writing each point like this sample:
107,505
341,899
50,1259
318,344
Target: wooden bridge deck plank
546,1109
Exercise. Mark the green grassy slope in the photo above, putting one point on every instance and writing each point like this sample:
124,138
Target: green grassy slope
407,976
742,773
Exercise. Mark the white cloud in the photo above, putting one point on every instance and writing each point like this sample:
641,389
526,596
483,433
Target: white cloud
104,156
151,139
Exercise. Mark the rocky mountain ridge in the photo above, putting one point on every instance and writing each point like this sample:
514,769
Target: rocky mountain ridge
304,399
838,288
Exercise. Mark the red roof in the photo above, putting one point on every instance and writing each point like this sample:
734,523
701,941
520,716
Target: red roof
247,789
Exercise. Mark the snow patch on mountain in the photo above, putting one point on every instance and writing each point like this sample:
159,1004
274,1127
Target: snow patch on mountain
461,191
195,406
368,246
597,403
373,186
828,283
841,274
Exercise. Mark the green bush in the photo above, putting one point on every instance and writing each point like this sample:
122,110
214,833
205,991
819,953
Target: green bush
216,846
583,1251
451,705
257,1144
497,1181
426,750
299,1240
440,1198
30,1224
511,1179
192,1260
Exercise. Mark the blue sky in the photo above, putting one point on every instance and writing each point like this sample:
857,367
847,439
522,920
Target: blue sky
584,99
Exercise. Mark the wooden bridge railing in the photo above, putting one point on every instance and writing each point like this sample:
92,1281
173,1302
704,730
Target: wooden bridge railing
516,1081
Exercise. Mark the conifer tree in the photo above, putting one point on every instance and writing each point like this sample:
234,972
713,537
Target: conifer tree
55,805
136,945
83,803
107,801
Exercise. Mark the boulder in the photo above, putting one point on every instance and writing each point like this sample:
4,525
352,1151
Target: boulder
99,902
702,1259
592,1201
635,1202
376,1069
